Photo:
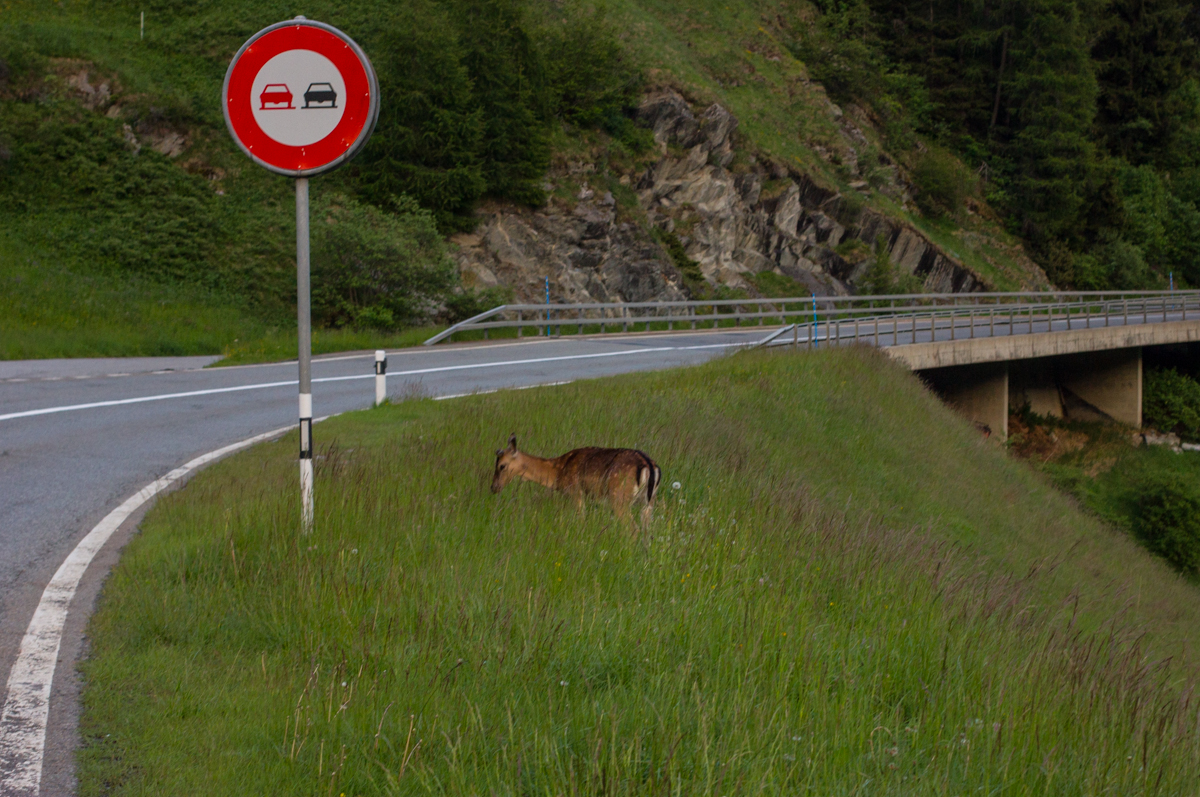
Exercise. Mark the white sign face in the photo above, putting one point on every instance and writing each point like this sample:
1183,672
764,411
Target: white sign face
298,97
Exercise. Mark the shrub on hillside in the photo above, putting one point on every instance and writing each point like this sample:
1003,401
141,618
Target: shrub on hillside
592,81
470,302
942,183
1172,403
883,278
373,269
131,207
1167,519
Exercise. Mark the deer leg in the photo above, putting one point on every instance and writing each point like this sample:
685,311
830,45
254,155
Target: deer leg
647,513
622,491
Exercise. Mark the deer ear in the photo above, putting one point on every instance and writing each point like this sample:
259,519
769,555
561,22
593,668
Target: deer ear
512,442
499,452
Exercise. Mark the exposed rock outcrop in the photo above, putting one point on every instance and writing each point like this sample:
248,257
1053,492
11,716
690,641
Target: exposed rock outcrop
588,255
733,222
103,94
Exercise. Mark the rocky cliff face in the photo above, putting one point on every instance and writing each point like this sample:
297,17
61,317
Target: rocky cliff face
733,222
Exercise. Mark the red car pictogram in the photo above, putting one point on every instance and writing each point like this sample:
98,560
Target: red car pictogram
275,97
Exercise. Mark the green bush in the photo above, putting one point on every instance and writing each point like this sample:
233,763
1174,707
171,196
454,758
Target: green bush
1115,265
472,89
592,81
509,76
882,278
693,278
377,270
942,183
472,302
1167,519
1172,403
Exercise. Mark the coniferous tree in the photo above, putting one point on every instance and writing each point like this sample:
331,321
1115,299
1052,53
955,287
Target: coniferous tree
509,81
1144,54
1051,104
429,138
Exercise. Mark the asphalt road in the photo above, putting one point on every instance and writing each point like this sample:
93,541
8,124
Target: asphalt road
77,437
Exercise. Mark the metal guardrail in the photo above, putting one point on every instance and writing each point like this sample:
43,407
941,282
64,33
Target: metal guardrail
870,317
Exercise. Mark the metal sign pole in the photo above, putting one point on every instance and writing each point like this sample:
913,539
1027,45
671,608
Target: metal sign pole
259,101
304,338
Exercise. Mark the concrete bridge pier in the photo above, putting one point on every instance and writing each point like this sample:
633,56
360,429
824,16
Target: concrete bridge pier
1110,381
1097,385
979,392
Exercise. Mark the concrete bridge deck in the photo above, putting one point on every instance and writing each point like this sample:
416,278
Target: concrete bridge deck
1065,370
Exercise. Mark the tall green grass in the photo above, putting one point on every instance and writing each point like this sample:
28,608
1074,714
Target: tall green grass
847,593
278,344
51,307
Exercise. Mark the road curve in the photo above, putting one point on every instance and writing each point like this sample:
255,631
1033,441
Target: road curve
77,438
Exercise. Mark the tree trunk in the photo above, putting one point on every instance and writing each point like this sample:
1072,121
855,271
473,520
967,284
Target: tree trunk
999,79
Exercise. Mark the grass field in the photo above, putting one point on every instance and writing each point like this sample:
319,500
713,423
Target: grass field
53,306
844,591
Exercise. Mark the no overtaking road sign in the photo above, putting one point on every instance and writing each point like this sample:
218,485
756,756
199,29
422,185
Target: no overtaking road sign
301,98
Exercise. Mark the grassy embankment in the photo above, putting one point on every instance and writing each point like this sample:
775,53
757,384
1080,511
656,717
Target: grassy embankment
209,231
50,310
60,289
849,593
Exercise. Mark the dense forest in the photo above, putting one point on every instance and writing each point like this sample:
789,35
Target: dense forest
1080,118
475,89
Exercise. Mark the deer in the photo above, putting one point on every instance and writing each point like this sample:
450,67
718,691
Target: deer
622,475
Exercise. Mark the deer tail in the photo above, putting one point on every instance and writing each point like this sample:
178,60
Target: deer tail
649,475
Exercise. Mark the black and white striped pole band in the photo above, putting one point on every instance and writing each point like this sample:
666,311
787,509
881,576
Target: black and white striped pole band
306,448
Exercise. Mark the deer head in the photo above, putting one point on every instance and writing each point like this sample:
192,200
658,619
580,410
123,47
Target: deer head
507,460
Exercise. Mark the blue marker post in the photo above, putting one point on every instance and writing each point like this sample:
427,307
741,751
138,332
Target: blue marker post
547,307
814,334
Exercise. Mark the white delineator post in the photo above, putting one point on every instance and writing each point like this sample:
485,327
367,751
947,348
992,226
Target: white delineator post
380,376
304,339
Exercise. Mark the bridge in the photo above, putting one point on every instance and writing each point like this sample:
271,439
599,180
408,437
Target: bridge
1065,354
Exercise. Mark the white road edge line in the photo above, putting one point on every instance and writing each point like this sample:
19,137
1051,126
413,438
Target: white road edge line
498,389
27,701
411,372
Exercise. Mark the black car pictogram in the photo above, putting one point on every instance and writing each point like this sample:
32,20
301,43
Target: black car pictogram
320,95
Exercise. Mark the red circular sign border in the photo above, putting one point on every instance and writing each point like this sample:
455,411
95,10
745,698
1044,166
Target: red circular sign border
352,131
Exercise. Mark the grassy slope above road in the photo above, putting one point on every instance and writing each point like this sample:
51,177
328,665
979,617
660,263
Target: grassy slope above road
232,221
49,309
849,592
